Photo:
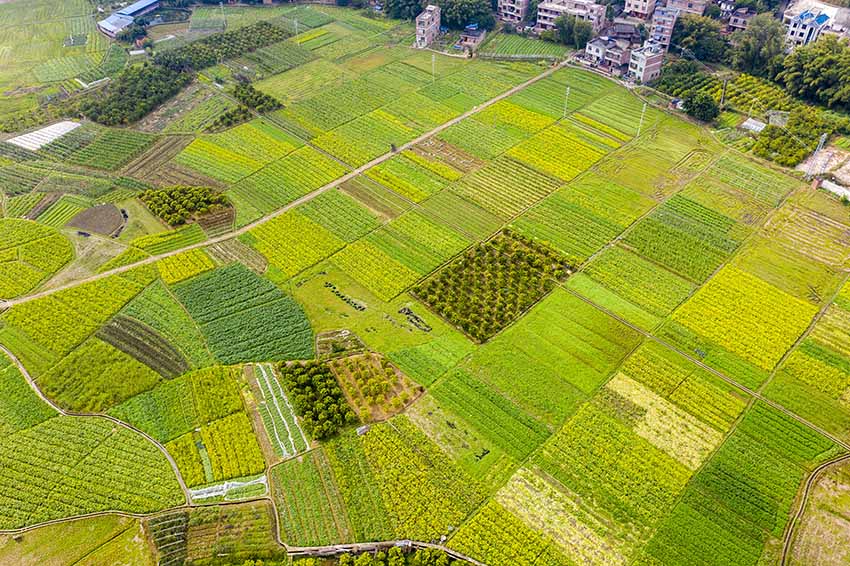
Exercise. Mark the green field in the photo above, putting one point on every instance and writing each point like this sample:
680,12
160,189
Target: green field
565,329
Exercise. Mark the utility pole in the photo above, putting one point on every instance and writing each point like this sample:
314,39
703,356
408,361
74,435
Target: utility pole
433,67
814,156
566,100
640,124
723,94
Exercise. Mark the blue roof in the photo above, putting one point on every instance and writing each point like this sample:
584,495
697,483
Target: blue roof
819,19
136,7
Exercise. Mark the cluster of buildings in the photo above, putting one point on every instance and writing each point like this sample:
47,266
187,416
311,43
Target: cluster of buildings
633,46
428,29
125,17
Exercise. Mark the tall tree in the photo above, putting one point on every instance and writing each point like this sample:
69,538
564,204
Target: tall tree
819,72
701,37
701,106
759,48
582,32
565,26
459,13
403,9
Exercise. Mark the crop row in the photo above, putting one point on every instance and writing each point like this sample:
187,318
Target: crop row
407,178
308,504
417,242
746,316
340,214
184,265
177,406
29,253
505,187
285,180
292,242
43,476
374,269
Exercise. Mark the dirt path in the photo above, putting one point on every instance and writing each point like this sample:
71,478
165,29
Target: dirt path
336,549
31,382
298,202
804,497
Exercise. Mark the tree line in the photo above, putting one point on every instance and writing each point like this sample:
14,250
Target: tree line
136,91
818,72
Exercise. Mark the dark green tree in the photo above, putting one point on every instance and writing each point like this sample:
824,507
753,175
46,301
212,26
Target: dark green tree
458,13
760,47
819,72
582,32
701,106
700,37
403,9
565,26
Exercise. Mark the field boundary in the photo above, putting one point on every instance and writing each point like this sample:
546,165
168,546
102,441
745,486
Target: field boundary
791,530
62,412
297,202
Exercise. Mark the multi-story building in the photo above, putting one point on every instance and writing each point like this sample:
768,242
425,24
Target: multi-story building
548,12
726,8
620,29
609,54
740,18
427,26
805,27
642,9
663,21
512,11
645,62
696,7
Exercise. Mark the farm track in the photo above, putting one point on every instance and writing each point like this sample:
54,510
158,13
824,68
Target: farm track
31,382
807,489
298,202
156,155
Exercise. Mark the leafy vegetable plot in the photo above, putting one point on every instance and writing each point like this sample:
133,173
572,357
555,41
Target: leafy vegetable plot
245,317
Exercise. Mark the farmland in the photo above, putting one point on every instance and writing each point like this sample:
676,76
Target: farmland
564,329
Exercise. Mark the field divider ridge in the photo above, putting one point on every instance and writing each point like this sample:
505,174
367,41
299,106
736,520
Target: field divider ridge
294,204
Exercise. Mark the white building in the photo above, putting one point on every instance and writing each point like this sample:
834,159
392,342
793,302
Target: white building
611,55
645,62
427,26
805,27
589,10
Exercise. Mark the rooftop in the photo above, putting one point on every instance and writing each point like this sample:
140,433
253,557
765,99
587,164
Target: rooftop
136,7
811,17
116,22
